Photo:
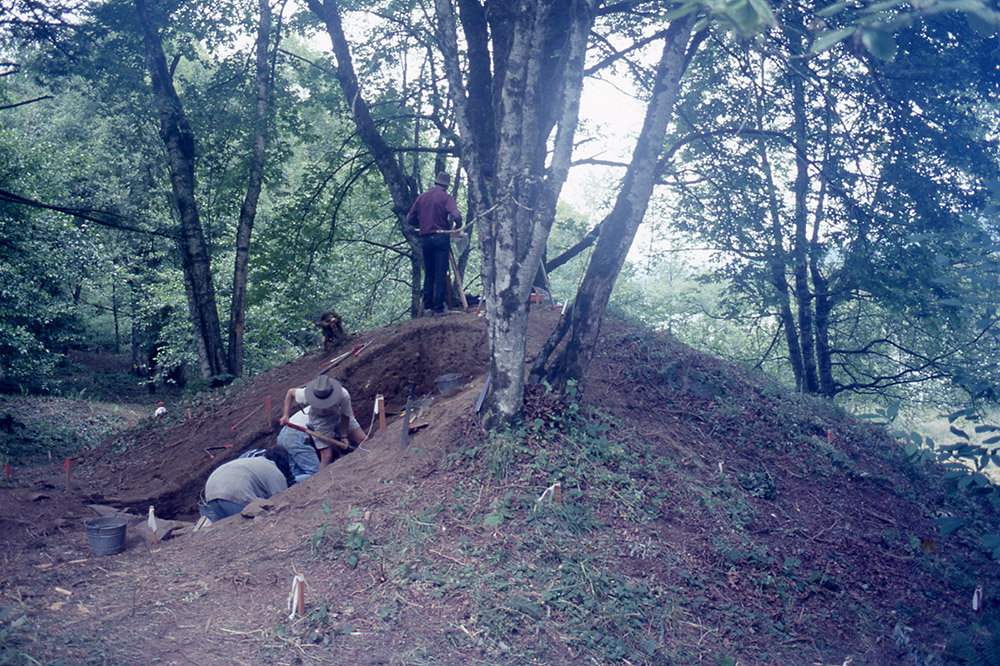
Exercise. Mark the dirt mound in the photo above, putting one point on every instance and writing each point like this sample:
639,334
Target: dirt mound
706,516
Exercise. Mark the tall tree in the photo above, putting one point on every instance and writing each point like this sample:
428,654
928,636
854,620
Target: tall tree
175,131
836,203
402,187
248,211
583,320
539,50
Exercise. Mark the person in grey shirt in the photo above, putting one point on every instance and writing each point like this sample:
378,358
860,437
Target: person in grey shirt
237,483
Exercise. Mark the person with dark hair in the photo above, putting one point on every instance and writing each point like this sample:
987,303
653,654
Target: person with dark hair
237,483
433,213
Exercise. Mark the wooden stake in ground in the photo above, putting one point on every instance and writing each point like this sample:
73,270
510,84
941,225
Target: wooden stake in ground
270,416
379,409
10,473
151,521
297,599
66,466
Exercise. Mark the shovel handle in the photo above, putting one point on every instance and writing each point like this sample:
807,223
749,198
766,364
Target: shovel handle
322,438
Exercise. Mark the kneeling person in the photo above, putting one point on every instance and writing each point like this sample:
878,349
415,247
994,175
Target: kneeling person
237,483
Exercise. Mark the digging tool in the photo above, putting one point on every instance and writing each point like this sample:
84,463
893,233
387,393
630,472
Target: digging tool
322,438
482,394
333,362
405,441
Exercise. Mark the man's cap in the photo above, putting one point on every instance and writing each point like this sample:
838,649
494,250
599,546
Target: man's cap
323,392
443,179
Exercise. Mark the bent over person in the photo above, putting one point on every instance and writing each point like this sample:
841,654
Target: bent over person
330,414
237,483
432,213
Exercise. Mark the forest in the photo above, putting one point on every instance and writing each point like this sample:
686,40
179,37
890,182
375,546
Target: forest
815,185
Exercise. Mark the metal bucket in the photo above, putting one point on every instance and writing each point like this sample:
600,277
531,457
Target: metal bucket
106,534
447,382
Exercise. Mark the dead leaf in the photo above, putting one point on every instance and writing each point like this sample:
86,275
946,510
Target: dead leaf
44,565
61,590
56,606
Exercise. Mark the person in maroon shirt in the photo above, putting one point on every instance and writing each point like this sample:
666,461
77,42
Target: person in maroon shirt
433,212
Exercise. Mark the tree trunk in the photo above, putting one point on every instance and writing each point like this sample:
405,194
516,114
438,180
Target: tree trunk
248,211
401,189
619,228
777,262
803,292
539,51
179,141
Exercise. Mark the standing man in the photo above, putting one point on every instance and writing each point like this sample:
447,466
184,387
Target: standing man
330,414
433,212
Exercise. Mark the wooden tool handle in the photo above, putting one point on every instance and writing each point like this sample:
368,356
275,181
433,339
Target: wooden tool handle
322,438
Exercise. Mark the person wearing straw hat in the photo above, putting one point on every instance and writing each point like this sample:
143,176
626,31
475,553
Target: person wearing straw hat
433,213
330,414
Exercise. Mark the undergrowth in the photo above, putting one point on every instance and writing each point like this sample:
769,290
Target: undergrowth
31,429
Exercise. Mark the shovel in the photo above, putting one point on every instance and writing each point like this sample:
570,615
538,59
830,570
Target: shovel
322,438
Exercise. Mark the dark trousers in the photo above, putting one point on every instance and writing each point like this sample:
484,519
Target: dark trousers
435,248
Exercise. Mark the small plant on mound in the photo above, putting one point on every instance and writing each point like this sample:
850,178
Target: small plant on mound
352,542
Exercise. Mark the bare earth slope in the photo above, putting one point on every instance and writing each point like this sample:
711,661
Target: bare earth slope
707,517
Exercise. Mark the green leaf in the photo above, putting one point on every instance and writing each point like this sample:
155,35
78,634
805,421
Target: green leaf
951,524
881,6
959,414
991,541
763,10
957,431
992,440
493,519
829,38
835,8
980,479
911,448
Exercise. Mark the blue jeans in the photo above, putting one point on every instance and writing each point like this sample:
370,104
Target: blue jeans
305,460
218,509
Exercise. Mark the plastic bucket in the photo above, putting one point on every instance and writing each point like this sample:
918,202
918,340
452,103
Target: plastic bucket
106,534
448,382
